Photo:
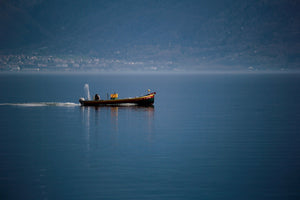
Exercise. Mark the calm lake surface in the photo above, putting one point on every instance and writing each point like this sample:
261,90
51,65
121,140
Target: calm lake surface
208,136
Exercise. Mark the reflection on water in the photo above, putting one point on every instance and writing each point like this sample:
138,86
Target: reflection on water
114,117
111,120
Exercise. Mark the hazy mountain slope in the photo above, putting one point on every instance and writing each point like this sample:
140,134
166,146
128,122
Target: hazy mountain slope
261,30
229,32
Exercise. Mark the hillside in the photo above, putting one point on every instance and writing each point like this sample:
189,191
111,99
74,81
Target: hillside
260,33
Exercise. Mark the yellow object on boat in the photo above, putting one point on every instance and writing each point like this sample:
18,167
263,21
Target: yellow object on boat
114,96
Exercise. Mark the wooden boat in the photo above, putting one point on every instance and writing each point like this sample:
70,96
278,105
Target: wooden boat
146,100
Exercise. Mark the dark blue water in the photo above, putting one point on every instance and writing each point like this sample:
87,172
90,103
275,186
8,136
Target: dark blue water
209,136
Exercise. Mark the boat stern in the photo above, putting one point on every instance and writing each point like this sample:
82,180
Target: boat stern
81,100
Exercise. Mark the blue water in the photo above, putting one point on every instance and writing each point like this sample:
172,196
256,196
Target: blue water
208,136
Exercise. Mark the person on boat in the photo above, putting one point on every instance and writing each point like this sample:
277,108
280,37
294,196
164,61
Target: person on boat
97,97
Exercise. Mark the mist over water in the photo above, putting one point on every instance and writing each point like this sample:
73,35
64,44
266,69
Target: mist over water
87,91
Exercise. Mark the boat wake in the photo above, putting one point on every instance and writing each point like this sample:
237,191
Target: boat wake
41,104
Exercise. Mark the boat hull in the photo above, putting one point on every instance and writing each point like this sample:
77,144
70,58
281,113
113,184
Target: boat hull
146,100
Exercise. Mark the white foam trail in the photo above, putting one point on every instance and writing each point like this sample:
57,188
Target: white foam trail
41,104
87,91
